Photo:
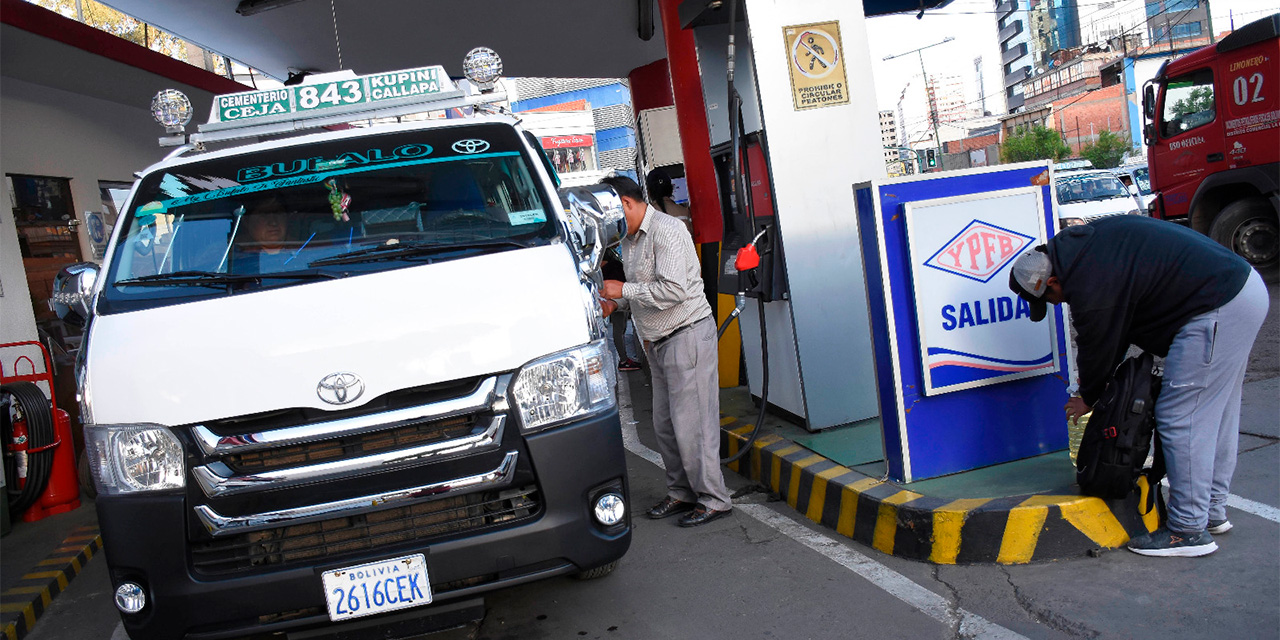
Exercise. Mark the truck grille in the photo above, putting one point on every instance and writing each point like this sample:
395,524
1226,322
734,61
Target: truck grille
358,444
423,523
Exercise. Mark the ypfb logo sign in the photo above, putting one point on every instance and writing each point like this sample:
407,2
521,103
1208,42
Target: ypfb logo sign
973,330
979,251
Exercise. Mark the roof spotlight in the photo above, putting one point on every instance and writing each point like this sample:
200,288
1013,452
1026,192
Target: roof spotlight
172,110
483,67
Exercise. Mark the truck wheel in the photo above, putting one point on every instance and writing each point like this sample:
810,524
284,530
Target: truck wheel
1249,228
598,572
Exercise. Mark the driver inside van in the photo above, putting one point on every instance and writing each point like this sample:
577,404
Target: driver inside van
263,239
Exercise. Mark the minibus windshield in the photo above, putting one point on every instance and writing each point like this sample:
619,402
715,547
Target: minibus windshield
308,212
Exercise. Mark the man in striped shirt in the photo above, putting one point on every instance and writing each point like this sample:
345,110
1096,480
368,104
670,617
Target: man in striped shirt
669,306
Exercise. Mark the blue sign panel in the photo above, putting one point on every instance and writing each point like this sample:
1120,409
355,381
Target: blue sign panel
966,379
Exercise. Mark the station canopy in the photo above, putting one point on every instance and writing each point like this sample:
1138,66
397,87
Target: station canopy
559,38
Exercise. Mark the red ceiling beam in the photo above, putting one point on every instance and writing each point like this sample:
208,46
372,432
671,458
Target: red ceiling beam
52,25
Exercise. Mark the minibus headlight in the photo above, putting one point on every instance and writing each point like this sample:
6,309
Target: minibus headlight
134,458
565,386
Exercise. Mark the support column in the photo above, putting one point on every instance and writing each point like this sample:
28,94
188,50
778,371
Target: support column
695,138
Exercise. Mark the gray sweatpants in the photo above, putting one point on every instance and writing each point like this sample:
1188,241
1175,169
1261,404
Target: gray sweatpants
1198,412
686,414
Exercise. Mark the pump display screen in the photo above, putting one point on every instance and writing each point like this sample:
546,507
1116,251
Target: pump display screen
294,214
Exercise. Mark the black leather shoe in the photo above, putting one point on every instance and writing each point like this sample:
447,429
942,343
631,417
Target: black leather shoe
703,515
670,507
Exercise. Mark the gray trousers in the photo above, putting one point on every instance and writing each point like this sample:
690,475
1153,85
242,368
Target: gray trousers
686,414
1198,412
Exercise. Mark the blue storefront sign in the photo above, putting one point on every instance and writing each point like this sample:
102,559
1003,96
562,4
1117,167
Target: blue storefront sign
966,379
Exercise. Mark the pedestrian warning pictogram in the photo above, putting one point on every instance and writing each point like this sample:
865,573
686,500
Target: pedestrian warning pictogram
816,62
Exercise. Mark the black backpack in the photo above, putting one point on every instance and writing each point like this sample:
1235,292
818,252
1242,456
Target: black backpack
1118,435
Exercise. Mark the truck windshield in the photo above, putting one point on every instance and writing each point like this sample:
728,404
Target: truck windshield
1188,103
333,209
1089,187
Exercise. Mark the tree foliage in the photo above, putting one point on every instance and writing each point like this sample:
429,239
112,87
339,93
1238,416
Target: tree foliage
1107,152
1200,99
104,18
1034,143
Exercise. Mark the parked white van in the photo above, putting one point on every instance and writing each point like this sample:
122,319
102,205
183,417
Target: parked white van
351,372
1084,196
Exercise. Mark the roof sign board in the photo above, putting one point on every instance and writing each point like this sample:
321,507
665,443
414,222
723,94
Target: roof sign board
352,92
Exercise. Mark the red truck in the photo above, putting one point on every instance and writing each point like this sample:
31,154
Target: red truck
1213,140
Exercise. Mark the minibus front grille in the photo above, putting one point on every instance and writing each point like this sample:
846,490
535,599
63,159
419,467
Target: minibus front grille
423,523
355,445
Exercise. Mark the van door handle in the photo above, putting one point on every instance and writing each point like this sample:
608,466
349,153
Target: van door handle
1215,157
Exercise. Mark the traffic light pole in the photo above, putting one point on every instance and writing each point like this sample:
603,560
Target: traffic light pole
933,99
933,112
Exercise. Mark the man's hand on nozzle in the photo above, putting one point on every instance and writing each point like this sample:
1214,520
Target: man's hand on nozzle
612,289
607,307
1076,408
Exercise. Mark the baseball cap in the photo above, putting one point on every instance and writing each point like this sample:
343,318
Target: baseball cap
1029,277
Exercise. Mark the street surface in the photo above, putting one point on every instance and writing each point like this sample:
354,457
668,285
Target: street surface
766,572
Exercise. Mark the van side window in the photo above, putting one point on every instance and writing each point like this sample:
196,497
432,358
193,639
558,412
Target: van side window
1188,103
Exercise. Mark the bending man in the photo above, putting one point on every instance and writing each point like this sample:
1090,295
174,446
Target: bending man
1177,294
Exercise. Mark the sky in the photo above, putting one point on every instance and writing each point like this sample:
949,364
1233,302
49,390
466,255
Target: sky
973,25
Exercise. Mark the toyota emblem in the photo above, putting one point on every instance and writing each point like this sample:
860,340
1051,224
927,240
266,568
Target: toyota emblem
340,388
471,145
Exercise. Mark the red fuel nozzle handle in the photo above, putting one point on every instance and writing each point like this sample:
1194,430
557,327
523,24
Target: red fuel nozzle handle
747,258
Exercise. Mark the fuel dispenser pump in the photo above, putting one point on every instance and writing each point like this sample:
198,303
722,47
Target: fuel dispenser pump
751,248
786,195
749,225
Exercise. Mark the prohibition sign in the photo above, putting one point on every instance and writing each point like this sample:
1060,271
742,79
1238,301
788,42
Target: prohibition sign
814,53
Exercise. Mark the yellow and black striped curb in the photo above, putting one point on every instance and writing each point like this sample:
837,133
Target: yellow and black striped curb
1011,530
23,604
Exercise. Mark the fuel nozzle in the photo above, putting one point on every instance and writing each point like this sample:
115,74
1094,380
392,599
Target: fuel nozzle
748,257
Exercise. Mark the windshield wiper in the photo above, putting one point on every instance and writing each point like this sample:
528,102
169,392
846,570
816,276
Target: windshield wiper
411,250
203,278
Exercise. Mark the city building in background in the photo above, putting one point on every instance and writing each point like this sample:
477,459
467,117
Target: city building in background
1055,26
586,125
1174,22
889,135
1012,22
947,99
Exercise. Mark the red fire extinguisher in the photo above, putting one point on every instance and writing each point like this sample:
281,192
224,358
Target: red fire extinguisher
18,447
62,492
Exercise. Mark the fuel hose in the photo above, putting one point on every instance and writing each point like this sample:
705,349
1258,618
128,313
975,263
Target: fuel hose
33,406
740,200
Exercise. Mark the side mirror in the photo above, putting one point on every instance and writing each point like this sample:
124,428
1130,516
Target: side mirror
598,209
72,298
1149,102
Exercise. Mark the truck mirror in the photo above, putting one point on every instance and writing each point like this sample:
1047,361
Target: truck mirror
598,209
1149,102
73,293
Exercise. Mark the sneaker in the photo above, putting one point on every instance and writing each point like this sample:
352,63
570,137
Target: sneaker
1219,526
1165,543
628,365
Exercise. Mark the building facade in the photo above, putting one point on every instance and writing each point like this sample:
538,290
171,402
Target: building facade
889,135
1012,22
1031,34
613,145
1174,22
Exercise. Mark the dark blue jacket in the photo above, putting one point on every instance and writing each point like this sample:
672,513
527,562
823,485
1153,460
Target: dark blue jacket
1136,280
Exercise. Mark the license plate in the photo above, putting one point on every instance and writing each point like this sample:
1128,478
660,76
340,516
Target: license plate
376,587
